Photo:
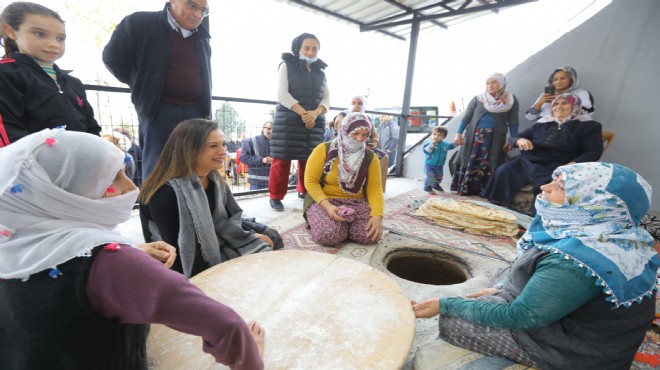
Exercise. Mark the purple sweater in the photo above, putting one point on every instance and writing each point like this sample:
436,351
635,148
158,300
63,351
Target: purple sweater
131,287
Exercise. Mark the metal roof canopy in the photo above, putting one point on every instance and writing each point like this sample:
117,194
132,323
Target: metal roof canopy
405,18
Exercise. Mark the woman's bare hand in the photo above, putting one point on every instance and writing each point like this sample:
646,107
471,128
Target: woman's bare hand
332,210
265,238
524,144
259,335
309,119
160,251
375,228
487,291
458,140
427,309
544,98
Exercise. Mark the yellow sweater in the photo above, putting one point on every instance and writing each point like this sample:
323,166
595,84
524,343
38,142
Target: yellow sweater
314,170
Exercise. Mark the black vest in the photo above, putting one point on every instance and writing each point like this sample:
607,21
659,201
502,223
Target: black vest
48,324
291,139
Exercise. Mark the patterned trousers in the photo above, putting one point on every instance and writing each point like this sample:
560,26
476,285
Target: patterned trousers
483,339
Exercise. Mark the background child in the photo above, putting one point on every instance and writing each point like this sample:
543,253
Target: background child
435,153
36,94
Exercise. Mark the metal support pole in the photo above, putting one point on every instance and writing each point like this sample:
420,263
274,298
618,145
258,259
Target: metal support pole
407,93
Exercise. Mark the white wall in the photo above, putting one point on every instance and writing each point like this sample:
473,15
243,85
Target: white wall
617,57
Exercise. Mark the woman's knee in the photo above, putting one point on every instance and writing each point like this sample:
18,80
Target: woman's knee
328,235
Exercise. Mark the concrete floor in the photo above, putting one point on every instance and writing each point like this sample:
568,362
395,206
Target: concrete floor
477,269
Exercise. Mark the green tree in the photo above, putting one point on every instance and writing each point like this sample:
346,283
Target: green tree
227,118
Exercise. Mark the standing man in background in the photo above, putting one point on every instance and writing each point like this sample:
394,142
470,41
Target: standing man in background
232,148
165,58
388,133
256,155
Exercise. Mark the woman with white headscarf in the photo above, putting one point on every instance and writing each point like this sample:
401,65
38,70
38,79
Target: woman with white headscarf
581,294
486,121
562,80
78,293
345,195
568,136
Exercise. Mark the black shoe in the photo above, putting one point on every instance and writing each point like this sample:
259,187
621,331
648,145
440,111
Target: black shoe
276,205
302,195
438,188
429,190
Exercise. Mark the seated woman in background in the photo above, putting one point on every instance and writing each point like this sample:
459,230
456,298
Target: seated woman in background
562,81
567,137
123,143
187,204
581,294
78,293
358,104
345,195
487,119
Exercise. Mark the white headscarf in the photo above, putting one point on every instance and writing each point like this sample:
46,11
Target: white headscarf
51,205
502,101
364,103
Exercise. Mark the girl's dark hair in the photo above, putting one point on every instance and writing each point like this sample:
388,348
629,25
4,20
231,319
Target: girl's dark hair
296,44
177,159
14,15
441,130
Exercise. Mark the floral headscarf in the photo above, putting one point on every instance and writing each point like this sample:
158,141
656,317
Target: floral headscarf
350,153
597,228
503,99
576,109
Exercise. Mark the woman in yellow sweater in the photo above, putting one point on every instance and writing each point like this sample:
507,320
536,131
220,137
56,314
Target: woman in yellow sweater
345,195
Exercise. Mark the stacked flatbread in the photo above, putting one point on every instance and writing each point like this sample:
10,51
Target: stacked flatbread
470,217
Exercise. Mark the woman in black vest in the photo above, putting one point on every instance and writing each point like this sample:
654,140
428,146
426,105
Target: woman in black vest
303,100
74,293
581,294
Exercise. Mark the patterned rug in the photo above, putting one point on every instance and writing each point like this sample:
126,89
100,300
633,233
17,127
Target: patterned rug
399,220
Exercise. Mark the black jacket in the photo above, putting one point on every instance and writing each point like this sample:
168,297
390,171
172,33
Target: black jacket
30,101
138,53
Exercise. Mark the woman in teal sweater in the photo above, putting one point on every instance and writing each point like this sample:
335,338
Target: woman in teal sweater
581,293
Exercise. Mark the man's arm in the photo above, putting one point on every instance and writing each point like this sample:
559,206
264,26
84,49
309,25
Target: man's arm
119,53
247,155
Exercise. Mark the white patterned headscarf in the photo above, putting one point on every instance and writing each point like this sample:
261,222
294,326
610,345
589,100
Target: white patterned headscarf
598,227
502,101
350,153
577,113
51,205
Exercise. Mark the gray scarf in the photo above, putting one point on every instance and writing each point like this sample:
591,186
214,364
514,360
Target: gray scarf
220,234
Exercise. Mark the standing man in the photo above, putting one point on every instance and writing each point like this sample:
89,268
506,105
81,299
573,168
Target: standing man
165,58
388,133
255,153
232,148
